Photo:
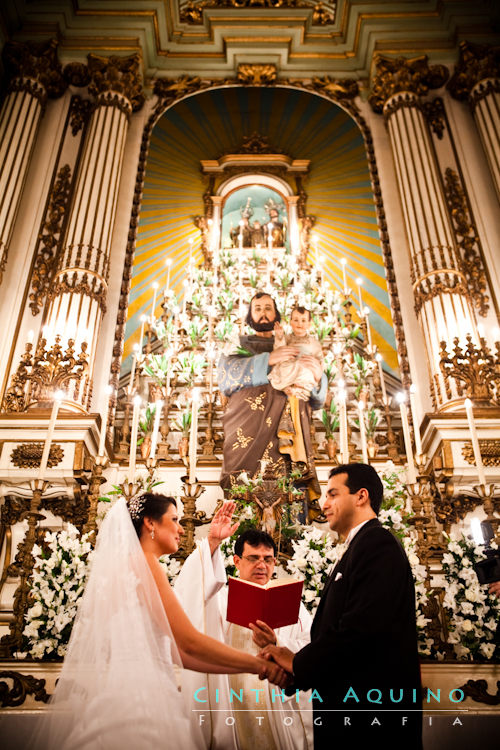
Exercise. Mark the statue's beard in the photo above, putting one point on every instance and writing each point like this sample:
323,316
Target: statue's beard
262,326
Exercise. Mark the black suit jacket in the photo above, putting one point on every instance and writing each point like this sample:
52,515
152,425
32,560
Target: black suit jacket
364,638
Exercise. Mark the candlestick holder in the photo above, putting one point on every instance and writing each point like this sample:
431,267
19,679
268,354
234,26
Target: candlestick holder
23,567
208,445
191,517
151,464
99,463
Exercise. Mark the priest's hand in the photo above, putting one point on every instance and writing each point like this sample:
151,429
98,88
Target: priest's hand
263,635
272,672
221,526
281,655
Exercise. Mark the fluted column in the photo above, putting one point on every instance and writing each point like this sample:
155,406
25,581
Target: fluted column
77,299
35,74
442,299
477,79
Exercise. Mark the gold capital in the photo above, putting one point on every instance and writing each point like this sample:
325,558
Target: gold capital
398,75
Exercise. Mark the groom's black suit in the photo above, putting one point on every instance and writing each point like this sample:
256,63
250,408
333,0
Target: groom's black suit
363,638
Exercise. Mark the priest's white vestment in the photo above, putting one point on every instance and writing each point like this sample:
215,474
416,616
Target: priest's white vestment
234,725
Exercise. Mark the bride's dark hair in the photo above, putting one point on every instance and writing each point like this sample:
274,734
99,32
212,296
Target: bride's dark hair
149,505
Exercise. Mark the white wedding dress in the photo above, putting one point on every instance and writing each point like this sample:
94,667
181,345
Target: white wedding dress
117,689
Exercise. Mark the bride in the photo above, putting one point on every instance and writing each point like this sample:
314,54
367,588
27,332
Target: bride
117,688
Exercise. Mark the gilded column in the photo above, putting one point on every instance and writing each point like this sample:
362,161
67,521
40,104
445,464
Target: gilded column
442,299
35,74
477,79
78,294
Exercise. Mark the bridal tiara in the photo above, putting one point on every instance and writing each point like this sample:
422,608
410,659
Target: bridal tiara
136,505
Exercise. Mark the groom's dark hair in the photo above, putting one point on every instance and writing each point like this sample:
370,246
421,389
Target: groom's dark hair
362,477
253,537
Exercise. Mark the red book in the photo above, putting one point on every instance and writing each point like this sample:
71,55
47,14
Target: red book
277,603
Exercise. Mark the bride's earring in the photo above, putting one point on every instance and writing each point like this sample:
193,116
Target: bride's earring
153,533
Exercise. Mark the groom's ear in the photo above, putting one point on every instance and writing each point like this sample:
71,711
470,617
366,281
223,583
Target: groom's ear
363,497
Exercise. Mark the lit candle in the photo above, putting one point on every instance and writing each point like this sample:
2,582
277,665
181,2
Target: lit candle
240,241
475,441
31,336
193,438
270,236
381,376
50,432
156,425
141,337
153,307
133,438
344,442
321,260
416,426
168,263
411,475
366,313
135,354
359,282
104,420
343,262
362,431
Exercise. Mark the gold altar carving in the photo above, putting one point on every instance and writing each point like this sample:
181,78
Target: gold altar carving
29,62
42,372
49,239
467,240
475,370
398,75
257,75
77,74
29,455
22,686
79,113
434,112
490,452
477,62
116,75
322,13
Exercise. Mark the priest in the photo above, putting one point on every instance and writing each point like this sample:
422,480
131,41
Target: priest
237,711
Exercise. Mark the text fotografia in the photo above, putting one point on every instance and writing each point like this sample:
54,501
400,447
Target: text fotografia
375,695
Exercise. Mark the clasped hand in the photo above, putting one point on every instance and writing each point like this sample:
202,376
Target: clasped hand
281,657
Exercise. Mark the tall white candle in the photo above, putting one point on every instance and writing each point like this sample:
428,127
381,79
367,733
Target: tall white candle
343,262
475,442
193,438
416,426
50,432
344,442
366,313
133,438
270,236
153,306
381,376
141,336
411,474
135,354
362,431
156,426
104,420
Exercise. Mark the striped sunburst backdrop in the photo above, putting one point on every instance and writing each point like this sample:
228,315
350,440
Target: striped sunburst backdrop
302,125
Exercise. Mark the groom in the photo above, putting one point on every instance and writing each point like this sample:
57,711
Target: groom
362,659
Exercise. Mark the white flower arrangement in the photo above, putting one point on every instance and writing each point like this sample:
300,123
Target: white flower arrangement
171,566
59,575
473,614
